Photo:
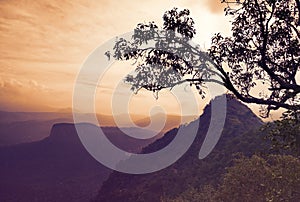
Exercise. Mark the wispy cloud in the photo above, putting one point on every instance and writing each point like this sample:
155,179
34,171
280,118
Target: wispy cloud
44,43
22,95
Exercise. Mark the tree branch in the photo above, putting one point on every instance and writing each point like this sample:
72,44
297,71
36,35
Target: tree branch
298,6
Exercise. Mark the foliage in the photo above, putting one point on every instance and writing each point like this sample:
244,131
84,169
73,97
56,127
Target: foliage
284,134
163,57
270,178
264,50
207,194
264,46
274,178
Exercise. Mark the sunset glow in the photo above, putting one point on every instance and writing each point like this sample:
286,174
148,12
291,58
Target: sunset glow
44,43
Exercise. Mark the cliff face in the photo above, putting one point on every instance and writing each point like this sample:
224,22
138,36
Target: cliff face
239,135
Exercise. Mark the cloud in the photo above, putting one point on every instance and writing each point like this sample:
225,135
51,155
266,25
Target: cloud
44,43
22,95
14,85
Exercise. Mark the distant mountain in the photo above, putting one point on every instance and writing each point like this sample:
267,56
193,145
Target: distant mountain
57,168
25,131
9,117
24,127
239,135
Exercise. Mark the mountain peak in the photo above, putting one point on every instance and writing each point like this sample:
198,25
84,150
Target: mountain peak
63,132
234,107
238,135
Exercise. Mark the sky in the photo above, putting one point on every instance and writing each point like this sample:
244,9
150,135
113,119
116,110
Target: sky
44,44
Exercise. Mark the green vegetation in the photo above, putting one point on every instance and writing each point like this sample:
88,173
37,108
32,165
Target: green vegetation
269,178
284,134
272,176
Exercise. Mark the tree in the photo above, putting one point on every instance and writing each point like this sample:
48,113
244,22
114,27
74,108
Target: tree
207,194
262,52
270,178
274,178
284,134
264,46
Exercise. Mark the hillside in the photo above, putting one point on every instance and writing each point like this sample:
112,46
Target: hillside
239,135
57,168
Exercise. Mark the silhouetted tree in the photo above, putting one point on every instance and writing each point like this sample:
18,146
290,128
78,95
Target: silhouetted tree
258,63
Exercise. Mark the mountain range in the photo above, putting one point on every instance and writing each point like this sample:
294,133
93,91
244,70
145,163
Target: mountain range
58,168
24,127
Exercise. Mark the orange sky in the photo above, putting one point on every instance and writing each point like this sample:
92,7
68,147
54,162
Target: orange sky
44,43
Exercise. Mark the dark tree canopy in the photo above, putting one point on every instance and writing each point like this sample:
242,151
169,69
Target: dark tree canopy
259,63
265,47
284,134
268,178
259,178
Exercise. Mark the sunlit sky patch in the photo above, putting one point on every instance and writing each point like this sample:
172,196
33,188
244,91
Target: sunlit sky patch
44,43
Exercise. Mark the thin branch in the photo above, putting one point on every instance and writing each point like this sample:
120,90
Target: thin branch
298,6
